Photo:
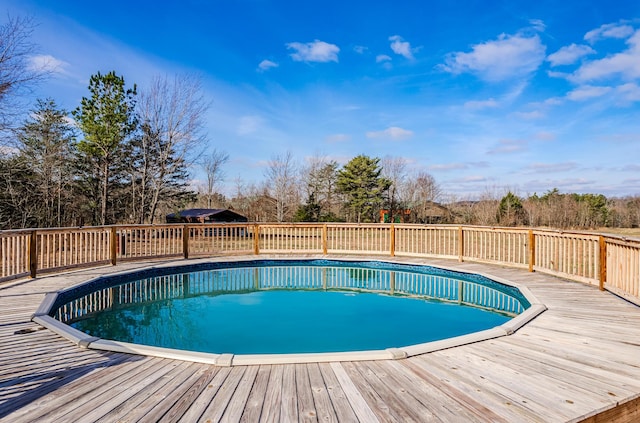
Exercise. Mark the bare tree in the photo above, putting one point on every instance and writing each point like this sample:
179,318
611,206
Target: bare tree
395,170
282,185
422,192
212,165
171,112
17,72
486,209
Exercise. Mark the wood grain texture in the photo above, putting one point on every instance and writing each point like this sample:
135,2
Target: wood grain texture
579,360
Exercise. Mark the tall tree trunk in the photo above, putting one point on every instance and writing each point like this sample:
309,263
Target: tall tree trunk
105,191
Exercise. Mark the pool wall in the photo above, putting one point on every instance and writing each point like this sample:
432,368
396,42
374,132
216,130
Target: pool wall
43,316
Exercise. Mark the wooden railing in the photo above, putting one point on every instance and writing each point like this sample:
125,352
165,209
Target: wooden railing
14,253
608,261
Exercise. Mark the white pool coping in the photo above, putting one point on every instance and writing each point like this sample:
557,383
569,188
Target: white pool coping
84,340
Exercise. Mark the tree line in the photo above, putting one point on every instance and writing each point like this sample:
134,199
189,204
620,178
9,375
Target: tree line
127,155
370,189
120,156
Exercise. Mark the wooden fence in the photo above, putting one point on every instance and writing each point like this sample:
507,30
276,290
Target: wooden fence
610,262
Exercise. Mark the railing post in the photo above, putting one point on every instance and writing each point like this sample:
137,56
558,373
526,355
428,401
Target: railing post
185,241
460,244
33,254
113,245
392,241
603,261
324,239
532,250
256,239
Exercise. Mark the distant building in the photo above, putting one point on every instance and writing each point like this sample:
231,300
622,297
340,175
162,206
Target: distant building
428,212
400,216
205,216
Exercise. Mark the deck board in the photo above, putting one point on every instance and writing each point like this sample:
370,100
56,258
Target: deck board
239,400
253,407
579,358
200,404
324,408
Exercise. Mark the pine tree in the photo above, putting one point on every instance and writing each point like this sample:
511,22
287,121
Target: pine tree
107,120
46,143
360,181
511,212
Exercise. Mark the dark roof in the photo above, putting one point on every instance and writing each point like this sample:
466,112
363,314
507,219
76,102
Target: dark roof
196,213
201,215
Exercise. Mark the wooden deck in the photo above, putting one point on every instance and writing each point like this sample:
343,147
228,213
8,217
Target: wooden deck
579,358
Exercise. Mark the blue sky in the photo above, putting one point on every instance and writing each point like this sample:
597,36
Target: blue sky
484,95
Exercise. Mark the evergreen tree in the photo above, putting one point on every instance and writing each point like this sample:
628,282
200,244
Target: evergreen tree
320,178
360,181
19,205
46,143
107,120
309,212
511,212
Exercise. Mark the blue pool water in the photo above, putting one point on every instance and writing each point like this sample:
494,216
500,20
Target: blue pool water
293,307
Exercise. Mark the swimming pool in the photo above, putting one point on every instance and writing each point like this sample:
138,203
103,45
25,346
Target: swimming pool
288,309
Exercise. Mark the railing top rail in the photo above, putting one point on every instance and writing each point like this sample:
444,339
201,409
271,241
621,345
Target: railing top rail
625,238
625,242
538,231
148,226
290,225
13,232
496,228
10,232
584,235
425,225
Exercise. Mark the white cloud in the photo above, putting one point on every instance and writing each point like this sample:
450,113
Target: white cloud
586,92
508,147
474,178
532,115
553,101
393,132
481,104
625,64
360,49
448,166
382,58
538,25
265,65
316,51
338,138
569,54
401,47
510,56
554,74
47,63
551,167
249,124
614,30
630,92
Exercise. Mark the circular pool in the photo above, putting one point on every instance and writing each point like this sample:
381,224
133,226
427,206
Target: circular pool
287,310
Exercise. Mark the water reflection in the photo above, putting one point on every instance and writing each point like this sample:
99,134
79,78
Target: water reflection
251,279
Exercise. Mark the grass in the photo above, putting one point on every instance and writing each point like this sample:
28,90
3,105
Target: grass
634,232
